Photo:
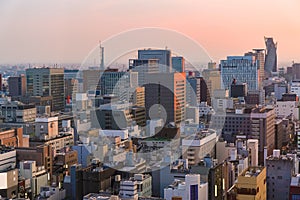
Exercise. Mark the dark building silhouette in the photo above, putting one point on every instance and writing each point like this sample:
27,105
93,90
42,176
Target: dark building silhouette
271,56
238,90
47,82
17,85
197,91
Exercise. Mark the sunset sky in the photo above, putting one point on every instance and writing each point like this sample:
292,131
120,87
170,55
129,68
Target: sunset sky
60,31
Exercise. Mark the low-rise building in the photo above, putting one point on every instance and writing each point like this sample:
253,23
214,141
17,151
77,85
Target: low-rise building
8,172
251,184
51,193
197,146
190,189
38,176
18,112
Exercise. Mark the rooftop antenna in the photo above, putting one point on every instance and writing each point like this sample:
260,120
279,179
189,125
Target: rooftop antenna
101,56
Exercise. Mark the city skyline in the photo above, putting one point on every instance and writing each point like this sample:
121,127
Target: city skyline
65,31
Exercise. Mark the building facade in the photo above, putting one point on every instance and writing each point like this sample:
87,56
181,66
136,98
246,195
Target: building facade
244,69
47,82
17,85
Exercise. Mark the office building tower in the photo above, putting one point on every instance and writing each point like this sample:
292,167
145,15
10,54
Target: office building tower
72,73
138,97
271,56
47,82
119,84
166,91
244,69
91,79
17,85
279,175
71,88
294,71
252,145
212,77
249,123
295,88
178,64
143,67
197,91
260,56
164,57
193,91
204,92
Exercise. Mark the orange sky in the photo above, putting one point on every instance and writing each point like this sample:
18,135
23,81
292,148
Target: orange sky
59,31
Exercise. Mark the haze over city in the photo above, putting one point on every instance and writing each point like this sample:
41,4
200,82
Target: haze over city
65,31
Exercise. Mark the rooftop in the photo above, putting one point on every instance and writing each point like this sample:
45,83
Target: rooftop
252,171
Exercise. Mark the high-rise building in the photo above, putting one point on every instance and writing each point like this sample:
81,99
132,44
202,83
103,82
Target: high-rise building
279,175
197,91
119,83
91,79
164,57
178,64
219,180
294,71
271,56
252,123
244,69
138,98
165,91
260,56
17,85
143,67
47,82
71,87
252,145
212,77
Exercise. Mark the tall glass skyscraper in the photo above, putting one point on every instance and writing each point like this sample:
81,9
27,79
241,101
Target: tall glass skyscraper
244,69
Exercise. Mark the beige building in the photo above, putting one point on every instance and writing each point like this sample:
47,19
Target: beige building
197,146
91,79
212,78
139,97
16,111
251,184
165,95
